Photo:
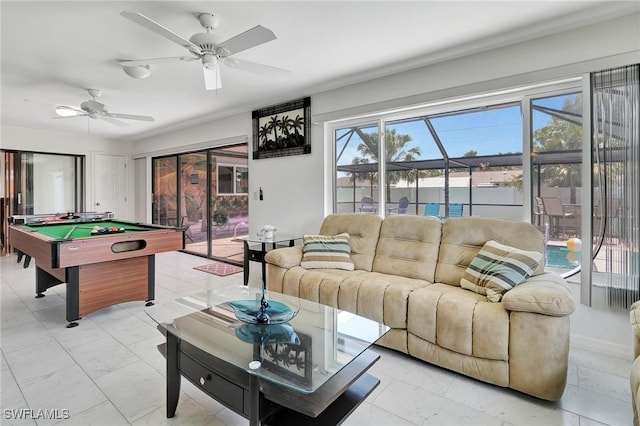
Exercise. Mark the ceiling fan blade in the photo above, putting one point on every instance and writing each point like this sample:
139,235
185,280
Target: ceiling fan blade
113,121
212,80
256,68
40,102
248,39
152,25
138,62
128,116
70,116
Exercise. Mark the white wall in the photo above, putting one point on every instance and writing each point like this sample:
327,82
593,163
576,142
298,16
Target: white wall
297,189
47,141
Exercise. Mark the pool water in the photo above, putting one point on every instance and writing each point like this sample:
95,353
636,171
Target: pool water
562,257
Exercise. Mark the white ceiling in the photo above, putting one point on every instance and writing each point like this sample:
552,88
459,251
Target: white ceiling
53,50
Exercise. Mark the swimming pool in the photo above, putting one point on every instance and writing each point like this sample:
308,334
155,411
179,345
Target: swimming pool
562,257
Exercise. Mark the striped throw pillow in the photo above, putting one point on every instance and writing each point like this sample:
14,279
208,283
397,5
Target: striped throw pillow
322,251
498,268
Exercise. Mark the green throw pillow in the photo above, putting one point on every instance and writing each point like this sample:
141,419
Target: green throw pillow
322,251
498,268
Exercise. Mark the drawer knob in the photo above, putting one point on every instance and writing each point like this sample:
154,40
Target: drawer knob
203,380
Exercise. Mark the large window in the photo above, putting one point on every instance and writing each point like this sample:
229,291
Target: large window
471,158
205,192
233,180
556,160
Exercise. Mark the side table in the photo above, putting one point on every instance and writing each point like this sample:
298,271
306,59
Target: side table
255,248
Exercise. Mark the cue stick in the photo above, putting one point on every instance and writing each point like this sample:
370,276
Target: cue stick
73,228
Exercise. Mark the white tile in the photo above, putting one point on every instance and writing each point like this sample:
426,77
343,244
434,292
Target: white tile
601,362
147,350
23,335
370,415
18,416
508,405
129,329
604,383
103,356
422,407
16,314
596,406
103,414
136,390
29,364
84,334
229,418
188,413
10,393
66,389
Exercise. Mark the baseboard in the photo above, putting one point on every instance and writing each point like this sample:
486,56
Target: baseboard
601,346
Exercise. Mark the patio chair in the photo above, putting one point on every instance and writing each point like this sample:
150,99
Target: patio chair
557,214
403,205
366,205
455,209
432,209
184,223
538,213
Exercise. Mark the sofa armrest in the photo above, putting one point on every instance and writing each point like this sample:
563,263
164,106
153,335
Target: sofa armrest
546,294
286,257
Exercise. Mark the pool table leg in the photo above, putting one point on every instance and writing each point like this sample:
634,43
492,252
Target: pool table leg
73,295
44,281
151,279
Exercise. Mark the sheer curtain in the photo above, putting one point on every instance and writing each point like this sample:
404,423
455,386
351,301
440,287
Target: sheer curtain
615,274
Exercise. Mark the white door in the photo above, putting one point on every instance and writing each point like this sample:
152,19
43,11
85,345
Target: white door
110,185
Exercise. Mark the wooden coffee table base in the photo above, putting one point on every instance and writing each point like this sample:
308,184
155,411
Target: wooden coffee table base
261,401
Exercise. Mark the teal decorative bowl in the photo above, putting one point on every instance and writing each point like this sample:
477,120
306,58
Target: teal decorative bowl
249,311
258,334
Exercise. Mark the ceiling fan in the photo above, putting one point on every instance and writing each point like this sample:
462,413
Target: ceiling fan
94,109
204,47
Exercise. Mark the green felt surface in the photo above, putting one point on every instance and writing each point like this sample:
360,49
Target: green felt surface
82,230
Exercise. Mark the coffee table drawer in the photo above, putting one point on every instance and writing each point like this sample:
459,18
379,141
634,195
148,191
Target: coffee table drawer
218,387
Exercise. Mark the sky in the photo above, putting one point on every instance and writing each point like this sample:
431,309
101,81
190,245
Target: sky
487,132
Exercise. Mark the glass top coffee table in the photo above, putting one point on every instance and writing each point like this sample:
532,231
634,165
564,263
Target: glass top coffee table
309,369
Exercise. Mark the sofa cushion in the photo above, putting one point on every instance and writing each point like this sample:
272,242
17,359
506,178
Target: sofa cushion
497,268
463,237
460,321
379,297
363,230
323,251
408,246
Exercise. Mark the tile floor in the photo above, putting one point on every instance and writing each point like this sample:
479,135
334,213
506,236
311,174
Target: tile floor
107,371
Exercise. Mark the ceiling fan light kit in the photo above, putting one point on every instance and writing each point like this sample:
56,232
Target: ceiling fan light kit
137,71
65,111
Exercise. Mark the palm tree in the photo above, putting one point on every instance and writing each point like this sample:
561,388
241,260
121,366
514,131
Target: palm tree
263,134
284,129
395,151
274,124
296,125
561,135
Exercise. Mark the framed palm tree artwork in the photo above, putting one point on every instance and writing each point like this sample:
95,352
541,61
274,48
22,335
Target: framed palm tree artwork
282,130
290,360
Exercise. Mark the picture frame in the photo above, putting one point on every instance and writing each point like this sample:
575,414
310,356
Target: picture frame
282,130
290,360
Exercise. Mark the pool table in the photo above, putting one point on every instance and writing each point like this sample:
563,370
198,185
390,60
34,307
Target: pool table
100,269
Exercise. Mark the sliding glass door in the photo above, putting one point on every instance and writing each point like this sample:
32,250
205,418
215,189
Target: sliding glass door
38,183
205,192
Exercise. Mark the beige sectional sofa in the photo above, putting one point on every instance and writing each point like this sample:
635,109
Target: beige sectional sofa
407,275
